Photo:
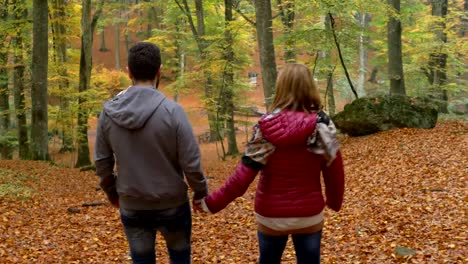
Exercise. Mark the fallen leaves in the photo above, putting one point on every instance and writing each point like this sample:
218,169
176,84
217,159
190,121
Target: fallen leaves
405,192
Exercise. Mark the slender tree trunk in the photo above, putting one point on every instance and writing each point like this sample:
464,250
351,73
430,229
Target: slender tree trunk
88,25
181,57
20,14
6,151
103,47
40,51
373,77
464,20
330,91
395,60
149,25
330,94
126,35
117,46
4,93
438,58
364,20
199,34
266,47
288,14
202,45
229,80
61,58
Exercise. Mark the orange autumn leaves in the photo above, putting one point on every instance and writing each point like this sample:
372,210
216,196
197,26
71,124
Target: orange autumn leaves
405,192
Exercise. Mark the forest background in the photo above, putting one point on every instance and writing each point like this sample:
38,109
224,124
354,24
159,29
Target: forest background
61,59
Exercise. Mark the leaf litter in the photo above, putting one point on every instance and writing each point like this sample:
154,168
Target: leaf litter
405,192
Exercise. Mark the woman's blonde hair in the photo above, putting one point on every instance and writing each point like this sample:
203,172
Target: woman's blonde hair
296,90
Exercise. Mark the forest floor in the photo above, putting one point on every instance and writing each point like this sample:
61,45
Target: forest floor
406,192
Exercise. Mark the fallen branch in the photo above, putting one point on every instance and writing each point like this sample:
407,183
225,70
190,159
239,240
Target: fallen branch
99,203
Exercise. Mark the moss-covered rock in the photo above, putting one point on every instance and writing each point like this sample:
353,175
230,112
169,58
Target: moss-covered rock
369,115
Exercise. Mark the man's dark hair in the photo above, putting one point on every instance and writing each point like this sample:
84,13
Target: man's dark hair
144,60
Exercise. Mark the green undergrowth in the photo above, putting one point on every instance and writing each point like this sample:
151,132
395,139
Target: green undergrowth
16,185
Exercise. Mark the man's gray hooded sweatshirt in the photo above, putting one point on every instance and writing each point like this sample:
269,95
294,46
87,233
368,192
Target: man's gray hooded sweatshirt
154,147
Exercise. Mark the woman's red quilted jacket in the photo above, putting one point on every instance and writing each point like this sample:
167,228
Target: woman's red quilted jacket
289,184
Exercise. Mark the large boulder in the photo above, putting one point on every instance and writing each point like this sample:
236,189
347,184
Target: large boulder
370,115
459,107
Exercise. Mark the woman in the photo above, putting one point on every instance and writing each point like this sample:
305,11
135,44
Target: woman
291,146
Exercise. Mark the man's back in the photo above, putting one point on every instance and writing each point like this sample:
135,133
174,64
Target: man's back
146,132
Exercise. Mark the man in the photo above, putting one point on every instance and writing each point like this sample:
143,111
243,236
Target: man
151,139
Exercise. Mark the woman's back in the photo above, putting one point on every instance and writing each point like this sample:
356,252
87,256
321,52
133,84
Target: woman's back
289,185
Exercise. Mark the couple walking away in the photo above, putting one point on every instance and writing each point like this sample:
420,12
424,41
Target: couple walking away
151,140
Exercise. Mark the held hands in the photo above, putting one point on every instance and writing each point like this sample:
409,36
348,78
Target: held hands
197,206
200,206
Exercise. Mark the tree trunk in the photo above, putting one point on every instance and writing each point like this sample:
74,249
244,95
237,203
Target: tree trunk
40,60
373,77
266,48
229,80
464,20
330,94
363,20
88,25
117,46
438,58
103,47
199,35
60,49
6,151
287,13
202,45
395,60
4,93
149,25
20,14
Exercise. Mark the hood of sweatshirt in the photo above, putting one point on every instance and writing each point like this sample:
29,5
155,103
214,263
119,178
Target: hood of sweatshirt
134,106
288,128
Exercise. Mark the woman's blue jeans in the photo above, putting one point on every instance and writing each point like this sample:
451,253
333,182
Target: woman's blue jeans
307,247
175,225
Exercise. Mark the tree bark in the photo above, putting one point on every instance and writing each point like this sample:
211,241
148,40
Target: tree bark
103,47
464,20
59,33
20,14
395,60
438,58
330,91
4,93
88,25
330,94
6,151
199,33
266,48
363,20
229,80
287,14
39,97
117,46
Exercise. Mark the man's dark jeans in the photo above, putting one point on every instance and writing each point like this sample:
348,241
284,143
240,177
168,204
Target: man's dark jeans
175,225
307,247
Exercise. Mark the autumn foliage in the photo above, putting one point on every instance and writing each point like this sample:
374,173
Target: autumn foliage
405,188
